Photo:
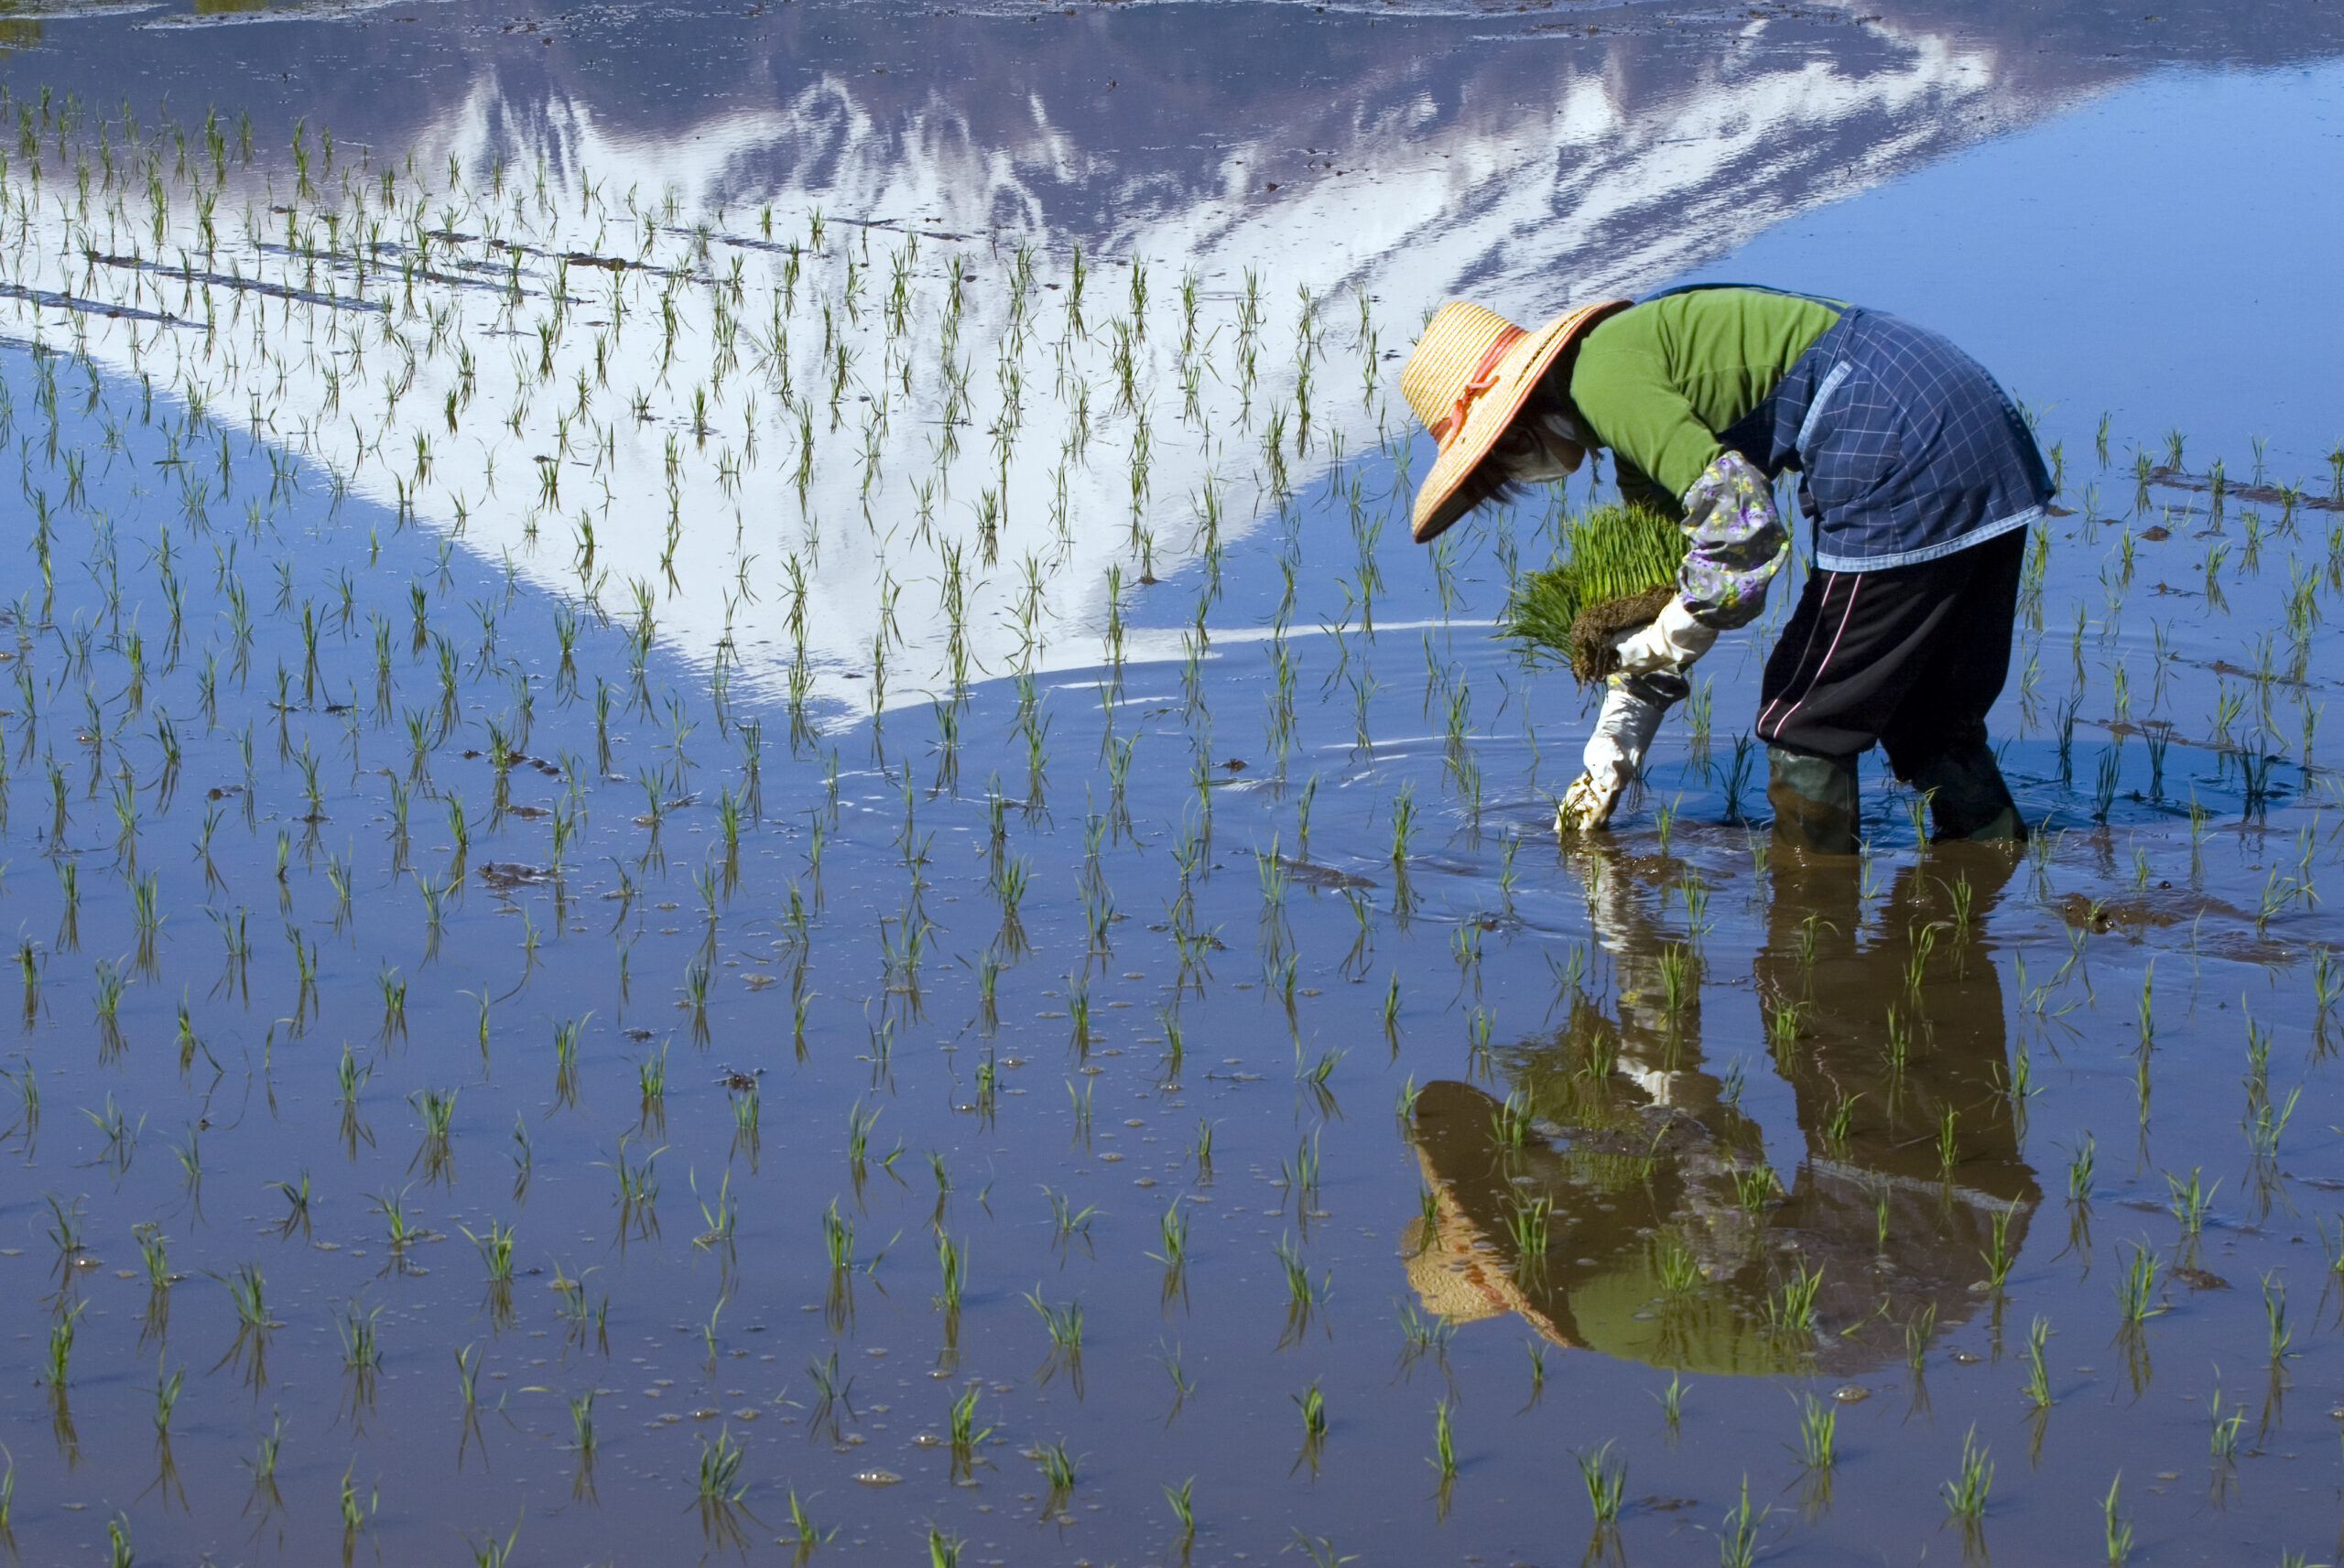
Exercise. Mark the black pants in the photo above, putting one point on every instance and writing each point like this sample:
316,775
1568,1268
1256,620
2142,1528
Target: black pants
1911,657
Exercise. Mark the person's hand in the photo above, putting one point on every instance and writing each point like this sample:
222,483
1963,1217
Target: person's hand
1672,642
1587,804
1623,731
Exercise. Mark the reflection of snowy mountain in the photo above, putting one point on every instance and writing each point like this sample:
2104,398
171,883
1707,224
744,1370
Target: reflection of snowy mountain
647,441
1535,172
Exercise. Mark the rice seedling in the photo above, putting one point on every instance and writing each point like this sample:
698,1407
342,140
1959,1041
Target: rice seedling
837,1238
1173,1228
965,1432
952,1268
121,1135
245,1292
1320,1551
1838,1120
1404,821
1064,1324
362,1351
1791,1307
166,1399
1069,1224
1997,1255
1678,981
1783,1026
1423,1334
1965,1495
1510,1121
2136,1286
1303,1293
1528,1224
467,1374
399,1228
2191,1201
1182,1384
1312,1403
1058,1468
708,1330
2079,1170
1610,561
1299,1176
1444,1444
717,1480
2222,1439
859,1123
1738,1533
154,1255
2326,979
719,1219
1756,1187
56,1366
1674,1266
1605,1480
803,1534
353,1517
1819,1427
436,1107
2279,1332
830,1386
297,1204
2117,1530
1181,1500
2037,1387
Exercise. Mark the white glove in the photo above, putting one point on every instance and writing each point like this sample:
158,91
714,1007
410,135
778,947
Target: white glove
1672,641
1623,731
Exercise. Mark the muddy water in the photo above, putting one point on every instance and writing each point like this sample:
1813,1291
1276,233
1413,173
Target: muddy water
380,886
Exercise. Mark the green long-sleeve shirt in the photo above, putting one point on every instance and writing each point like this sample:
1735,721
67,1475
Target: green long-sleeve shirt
1657,382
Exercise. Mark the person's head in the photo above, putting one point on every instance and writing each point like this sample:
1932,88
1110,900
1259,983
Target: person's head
1544,443
1495,399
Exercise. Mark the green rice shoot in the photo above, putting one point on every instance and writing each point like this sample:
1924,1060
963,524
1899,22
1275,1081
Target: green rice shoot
1611,574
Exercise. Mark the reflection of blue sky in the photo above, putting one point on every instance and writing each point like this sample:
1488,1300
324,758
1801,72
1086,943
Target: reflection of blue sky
2165,253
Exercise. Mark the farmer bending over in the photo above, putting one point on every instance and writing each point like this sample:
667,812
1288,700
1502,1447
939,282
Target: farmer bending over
1917,473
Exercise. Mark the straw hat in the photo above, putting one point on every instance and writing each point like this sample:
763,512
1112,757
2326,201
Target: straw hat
1468,376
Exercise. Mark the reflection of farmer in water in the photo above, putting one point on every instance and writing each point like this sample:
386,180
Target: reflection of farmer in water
1918,476
1669,1240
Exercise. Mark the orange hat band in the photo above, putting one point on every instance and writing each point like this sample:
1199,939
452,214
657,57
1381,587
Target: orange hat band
1484,377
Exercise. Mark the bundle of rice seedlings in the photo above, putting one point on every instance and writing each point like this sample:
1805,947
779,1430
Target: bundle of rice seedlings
1615,570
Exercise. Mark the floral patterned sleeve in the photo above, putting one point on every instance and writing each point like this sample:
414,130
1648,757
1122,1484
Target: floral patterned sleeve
1735,543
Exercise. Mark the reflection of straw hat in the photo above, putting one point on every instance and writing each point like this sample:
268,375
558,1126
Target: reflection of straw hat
1467,379
1459,1272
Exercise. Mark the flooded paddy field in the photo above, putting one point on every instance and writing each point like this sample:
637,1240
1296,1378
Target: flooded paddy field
721,851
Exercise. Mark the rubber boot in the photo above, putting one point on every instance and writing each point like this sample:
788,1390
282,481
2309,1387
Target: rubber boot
1814,800
1968,799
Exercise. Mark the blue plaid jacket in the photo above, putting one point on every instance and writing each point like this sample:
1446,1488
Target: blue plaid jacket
1907,449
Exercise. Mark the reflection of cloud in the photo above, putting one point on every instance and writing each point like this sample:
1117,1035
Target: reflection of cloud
1604,182
675,470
